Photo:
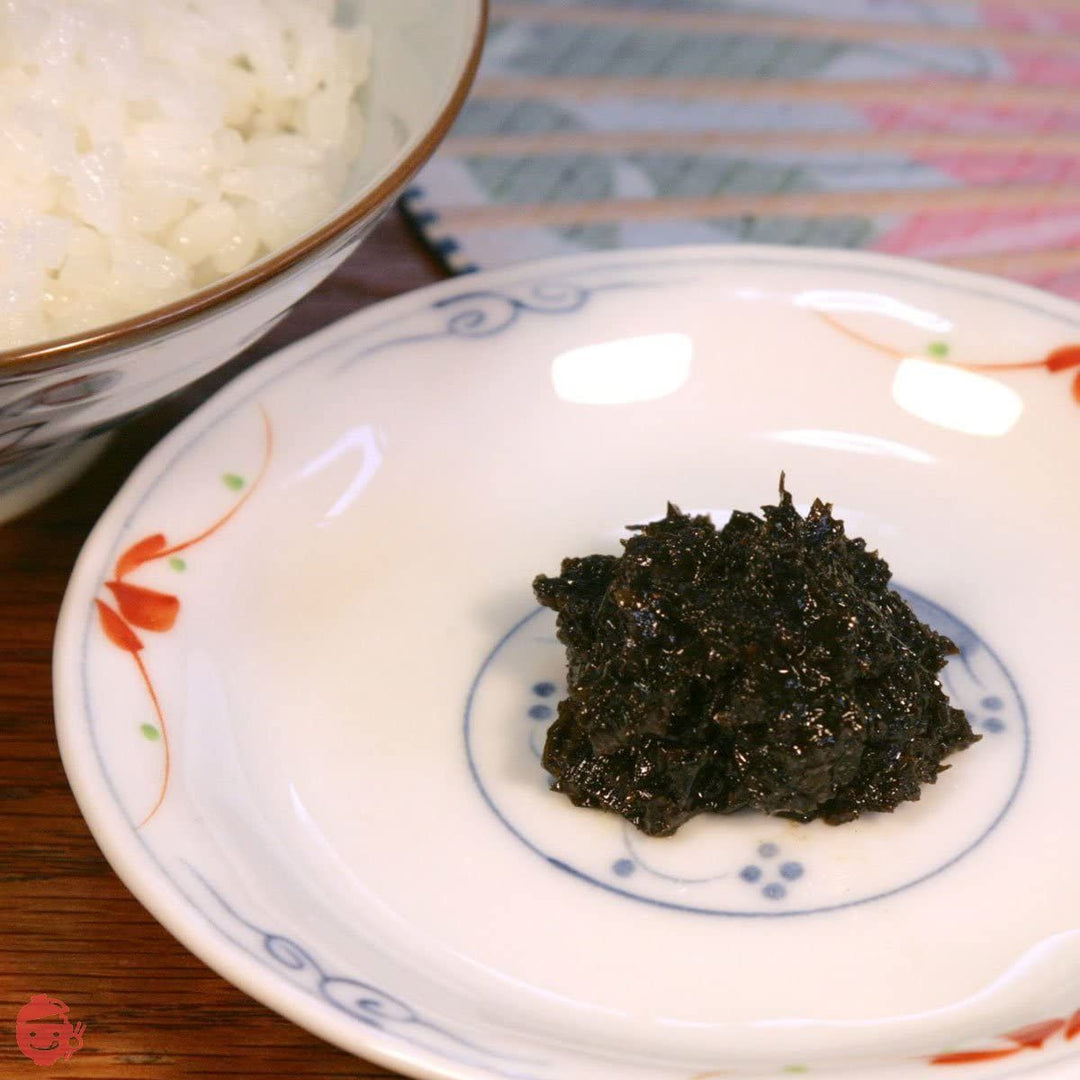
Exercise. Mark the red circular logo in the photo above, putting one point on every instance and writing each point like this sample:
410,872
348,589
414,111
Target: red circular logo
44,1033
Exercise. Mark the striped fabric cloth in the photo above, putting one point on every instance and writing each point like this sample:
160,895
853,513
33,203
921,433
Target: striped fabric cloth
943,129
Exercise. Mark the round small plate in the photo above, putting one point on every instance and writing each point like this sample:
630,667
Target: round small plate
302,682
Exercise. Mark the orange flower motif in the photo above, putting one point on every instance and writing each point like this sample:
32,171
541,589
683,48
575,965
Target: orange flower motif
157,612
145,608
1031,1037
1063,358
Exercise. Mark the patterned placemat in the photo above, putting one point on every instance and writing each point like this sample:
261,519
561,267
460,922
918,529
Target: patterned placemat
943,129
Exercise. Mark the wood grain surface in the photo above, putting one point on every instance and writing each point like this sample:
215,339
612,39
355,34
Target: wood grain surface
68,927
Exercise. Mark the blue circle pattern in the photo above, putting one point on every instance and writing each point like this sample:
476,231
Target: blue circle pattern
790,871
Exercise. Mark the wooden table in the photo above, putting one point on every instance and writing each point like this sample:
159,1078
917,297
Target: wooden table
68,927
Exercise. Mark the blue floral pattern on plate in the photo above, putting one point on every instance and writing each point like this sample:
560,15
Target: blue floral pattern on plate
775,878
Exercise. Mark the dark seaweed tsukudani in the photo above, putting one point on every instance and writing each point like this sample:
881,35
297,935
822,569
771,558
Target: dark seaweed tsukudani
764,665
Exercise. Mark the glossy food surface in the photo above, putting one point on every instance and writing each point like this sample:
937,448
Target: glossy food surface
763,665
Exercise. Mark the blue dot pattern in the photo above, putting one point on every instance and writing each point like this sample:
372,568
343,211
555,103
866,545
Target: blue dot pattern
789,870
993,724
772,875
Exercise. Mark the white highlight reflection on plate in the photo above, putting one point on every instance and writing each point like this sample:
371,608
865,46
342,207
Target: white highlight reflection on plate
953,398
623,371
851,442
363,438
873,304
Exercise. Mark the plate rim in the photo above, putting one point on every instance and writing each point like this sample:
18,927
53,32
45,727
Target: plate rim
128,855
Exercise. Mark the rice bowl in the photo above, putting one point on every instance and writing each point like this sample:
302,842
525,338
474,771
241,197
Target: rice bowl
148,150
59,394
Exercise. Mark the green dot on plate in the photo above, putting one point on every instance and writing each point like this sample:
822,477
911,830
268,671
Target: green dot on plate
938,348
231,480
150,732
178,564
796,1068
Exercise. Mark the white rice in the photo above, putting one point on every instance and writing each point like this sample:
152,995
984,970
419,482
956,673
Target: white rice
150,147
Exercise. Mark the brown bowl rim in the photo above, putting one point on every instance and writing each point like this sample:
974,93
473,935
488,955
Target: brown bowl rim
52,353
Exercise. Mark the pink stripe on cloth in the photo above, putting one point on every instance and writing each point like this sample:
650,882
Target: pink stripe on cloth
1028,16
1044,69
971,119
981,232
1003,168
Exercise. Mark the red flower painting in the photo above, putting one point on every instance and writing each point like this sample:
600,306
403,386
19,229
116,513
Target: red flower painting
129,607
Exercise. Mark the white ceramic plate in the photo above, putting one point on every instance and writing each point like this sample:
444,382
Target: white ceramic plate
301,679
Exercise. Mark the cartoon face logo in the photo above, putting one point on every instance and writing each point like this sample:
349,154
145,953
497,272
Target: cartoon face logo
44,1033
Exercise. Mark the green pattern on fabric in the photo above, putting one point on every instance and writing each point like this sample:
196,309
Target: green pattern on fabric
482,117
591,237
611,51
689,175
553,178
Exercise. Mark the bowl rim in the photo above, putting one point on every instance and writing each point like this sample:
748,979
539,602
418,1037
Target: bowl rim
54,352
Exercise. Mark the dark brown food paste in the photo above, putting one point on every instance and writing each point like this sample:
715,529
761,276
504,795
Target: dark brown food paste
764,665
